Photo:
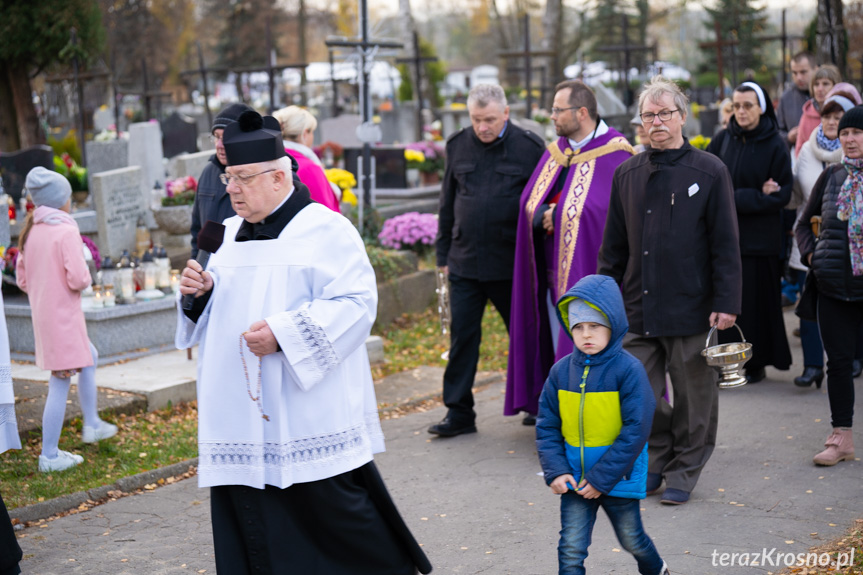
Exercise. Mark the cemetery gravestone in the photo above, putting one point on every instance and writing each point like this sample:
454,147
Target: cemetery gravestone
179,135
390,165
342,130
5,231
145,150
530,125
191,164
14,167
119,203
106,156
103,118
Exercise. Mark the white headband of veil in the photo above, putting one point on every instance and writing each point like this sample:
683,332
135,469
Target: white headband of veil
761,101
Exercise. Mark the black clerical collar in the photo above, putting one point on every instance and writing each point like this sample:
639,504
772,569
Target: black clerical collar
270,227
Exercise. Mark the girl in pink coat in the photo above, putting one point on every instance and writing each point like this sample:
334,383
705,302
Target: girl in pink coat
52,270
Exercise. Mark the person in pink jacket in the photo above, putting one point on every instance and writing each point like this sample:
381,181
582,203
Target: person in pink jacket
52,271
298,131
823,80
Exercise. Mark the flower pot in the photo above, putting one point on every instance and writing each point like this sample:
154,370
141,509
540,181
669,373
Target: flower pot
430,178
176,220
80,197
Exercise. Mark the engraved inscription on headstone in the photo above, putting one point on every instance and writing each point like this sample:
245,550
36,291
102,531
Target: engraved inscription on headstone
119,203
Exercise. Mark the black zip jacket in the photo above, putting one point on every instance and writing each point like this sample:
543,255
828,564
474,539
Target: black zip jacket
671,241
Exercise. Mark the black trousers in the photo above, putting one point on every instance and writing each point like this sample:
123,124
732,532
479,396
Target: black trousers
343,525
839,323
10,551
468,298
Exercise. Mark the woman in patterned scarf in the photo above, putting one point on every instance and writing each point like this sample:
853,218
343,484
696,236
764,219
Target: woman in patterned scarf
835,256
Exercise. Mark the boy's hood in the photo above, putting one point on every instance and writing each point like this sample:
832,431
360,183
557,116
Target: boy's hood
603,293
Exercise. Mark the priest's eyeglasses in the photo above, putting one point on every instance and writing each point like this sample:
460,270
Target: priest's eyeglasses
241,180
664,116
559,111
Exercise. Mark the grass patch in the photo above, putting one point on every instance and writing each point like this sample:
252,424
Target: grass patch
839,551
144,442
414,340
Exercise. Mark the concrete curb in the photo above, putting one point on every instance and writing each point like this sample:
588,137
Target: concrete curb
45,509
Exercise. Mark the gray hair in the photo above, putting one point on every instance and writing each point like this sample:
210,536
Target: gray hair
483,94
284,163
657,87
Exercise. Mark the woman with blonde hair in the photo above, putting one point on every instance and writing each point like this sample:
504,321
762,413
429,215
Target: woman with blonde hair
298,131
823,80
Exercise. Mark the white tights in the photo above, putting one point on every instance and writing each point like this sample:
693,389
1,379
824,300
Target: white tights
55,405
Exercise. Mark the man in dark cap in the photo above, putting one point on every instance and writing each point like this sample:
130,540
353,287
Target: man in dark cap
287,413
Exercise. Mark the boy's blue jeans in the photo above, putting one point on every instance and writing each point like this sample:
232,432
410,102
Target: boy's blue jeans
577,517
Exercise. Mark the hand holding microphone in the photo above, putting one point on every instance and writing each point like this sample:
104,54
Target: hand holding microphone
195,280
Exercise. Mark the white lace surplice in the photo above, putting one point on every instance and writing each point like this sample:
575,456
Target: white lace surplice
8,425
316,289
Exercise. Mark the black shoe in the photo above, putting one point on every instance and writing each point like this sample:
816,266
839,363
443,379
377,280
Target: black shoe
809,376
857,368
450,428
755,375
673,496
529,419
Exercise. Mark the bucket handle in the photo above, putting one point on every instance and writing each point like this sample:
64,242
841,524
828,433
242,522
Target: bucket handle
712,329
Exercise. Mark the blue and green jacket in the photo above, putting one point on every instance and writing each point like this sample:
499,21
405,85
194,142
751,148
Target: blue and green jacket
595,412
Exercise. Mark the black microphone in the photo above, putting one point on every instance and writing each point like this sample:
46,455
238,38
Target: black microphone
209,241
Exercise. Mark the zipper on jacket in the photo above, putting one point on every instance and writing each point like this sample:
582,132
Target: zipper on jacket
671,213
581,417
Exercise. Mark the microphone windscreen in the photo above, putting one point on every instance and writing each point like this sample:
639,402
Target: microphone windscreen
211,236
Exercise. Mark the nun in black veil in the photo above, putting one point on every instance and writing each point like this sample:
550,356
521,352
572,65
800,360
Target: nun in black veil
760,167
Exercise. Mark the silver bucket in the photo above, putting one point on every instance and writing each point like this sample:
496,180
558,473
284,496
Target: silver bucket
728,359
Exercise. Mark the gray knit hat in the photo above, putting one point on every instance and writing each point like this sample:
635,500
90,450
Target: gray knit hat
582,312
228,115
48,188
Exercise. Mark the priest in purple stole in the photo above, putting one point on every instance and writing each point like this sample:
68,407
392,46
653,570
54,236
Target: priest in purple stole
560,229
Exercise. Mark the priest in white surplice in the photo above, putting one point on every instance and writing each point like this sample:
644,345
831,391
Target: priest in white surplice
287,414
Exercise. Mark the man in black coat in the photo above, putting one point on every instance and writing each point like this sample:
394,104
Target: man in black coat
487,167
671,242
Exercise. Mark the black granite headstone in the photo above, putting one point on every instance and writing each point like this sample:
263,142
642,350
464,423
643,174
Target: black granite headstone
179,135
14,167
390,168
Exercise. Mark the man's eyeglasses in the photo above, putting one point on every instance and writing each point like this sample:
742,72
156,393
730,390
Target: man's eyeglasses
215,139
664,116
559,111
240,180
744,105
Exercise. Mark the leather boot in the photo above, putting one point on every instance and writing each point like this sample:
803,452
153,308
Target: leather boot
840,447
810,375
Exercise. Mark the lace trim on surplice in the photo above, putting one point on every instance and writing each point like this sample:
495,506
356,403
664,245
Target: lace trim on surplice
314,338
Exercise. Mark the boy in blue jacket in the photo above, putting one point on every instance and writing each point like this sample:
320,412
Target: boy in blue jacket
594,419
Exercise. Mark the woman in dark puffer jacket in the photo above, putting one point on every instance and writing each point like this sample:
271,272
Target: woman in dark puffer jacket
760,167
836,259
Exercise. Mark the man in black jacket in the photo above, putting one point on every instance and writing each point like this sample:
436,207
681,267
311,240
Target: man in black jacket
487,167
671,242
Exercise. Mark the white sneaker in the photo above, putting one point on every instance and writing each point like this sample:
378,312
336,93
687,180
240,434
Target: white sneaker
94,434
665,570
64,460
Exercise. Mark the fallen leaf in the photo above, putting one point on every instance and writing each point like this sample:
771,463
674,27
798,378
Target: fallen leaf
790,541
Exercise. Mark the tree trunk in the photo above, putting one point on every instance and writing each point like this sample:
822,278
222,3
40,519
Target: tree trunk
831,34
501,27
9,140
552,23
23,124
